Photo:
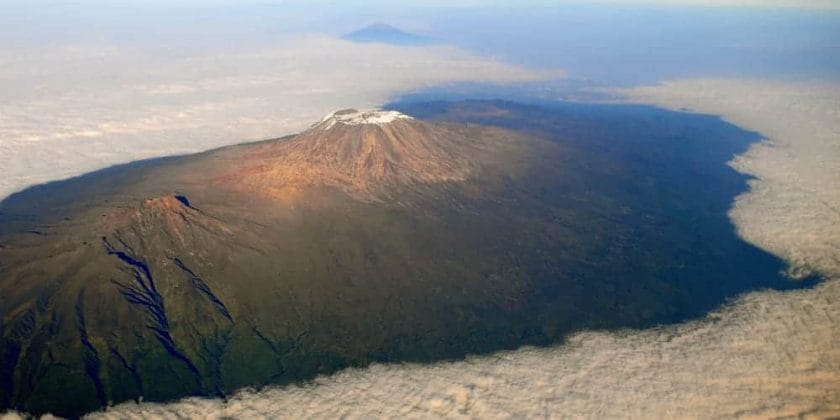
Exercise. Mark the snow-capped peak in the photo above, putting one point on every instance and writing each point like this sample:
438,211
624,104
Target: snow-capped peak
354,117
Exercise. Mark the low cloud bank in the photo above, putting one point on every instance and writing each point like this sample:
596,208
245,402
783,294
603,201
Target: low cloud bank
767,354
68,110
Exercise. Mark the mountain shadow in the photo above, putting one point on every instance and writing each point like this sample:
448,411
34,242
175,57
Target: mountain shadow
386,34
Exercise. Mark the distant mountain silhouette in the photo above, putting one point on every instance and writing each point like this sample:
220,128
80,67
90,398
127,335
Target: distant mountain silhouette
386,34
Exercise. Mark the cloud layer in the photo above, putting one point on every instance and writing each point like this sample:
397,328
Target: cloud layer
767,354
68,110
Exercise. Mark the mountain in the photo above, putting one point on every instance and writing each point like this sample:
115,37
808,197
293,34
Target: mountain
372,236
242,266
386,34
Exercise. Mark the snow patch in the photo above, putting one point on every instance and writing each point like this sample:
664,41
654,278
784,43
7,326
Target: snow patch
354,117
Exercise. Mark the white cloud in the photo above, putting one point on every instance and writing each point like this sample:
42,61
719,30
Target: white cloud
68,110
768,354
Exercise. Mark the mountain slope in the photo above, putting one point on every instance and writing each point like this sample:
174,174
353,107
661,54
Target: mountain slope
369,155
372,236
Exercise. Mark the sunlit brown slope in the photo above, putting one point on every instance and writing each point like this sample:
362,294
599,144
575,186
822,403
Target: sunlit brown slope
370,154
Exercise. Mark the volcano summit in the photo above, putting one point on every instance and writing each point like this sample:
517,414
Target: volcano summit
373,236
369,155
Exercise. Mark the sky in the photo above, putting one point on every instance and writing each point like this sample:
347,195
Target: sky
88,84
